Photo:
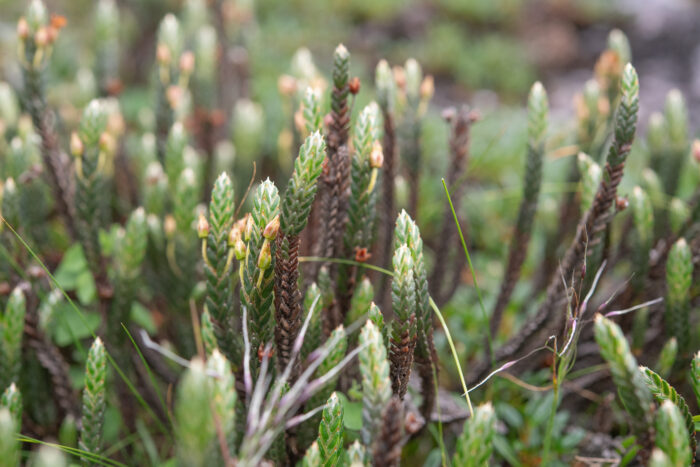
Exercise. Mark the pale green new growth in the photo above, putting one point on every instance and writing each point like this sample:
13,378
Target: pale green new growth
671,435
331,432
361,301
12,400
222,396
94,400
313,118
301,191
678,213
679,270
626,119
49,456
475,444
659,459
312,457
376,385
356,455
695,375
195,427
257,283
631,387
403,330
12,327
87,147
208,335
385,86
662,392
618,42
667,357
9,446
217,266
591,175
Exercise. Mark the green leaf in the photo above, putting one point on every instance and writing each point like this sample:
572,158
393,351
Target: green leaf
85,288
141,316
70,325
352,412
72,264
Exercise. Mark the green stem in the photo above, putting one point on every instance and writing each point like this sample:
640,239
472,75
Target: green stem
471,268
550,421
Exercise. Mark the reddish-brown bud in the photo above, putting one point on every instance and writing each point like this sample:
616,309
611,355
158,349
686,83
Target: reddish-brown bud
262,354
58,21
354,85
362,255
621,203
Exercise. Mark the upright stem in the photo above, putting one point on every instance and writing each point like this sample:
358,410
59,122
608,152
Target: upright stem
547,446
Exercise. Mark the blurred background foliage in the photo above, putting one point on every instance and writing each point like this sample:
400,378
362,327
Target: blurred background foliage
486,53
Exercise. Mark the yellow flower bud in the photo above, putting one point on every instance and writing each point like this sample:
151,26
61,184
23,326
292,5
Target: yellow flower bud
248,228
265,258
234,235
169,225
41,38
272,228
376,157
239,249
76,145
427,87
107,143
202,227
